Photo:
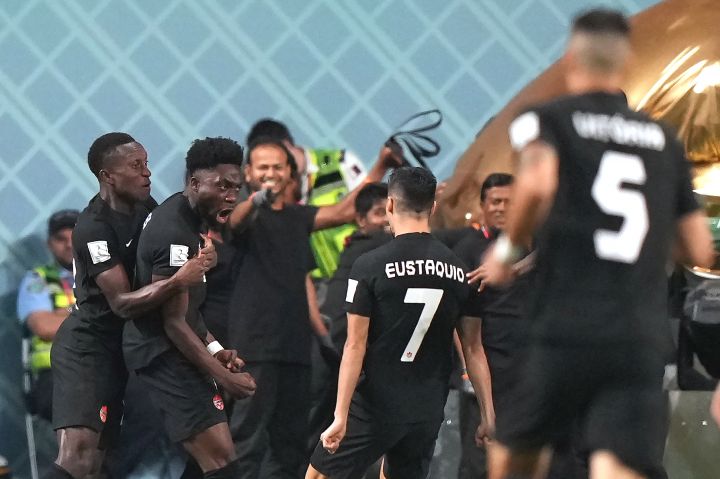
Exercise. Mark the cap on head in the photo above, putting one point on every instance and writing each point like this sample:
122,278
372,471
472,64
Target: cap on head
210,152
62,219
103,147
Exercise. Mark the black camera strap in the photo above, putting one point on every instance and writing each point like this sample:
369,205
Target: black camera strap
411,135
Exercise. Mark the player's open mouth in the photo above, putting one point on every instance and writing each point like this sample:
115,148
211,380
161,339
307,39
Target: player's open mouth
223,215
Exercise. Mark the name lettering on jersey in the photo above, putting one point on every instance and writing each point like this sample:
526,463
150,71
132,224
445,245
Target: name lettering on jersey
424,267
619,129
99,252
178,254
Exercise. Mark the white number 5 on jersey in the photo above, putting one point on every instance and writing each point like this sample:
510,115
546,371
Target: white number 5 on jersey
615,169
430,299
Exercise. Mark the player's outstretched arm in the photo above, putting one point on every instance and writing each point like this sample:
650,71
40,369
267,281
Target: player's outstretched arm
239,385
350,366
479,373
128,304
344,211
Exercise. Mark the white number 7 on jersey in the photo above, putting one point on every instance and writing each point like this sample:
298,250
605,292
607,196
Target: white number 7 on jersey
430,298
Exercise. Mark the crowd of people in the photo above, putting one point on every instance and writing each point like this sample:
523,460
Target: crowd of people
545,314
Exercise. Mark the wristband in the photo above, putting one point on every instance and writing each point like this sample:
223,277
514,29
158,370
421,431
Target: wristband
506,252
214,348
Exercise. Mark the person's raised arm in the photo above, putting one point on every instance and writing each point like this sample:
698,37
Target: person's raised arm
344,211
128,304
350,367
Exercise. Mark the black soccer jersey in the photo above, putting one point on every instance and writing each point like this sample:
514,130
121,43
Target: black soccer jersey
413,289
170,236
102,238
623,183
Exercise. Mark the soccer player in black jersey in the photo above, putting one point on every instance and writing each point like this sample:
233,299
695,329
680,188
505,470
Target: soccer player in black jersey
170,348
87,361
611,190
404,300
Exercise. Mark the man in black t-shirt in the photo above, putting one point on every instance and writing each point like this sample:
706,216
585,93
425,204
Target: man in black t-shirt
610,189
170,347
404,300
87,361
269,324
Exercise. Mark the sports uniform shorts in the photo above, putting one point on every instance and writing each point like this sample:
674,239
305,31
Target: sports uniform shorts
613,393
88,385
408,448
187,400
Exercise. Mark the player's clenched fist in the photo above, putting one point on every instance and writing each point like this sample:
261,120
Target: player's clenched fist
333,435
238,385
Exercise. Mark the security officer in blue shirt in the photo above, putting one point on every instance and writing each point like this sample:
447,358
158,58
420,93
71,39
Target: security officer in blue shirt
45,299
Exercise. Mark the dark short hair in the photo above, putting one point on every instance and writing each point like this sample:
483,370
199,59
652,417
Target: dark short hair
413,188
61,220
103,147
601,20
269,140
267,127
210,152
368,196
493,180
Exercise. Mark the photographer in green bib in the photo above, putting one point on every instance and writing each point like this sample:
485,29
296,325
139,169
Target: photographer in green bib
45,299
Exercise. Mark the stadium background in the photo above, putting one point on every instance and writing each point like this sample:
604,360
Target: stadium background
340,73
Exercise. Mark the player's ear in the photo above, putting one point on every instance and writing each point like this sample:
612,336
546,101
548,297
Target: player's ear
246,170
105,177
194,184
434,207
390,205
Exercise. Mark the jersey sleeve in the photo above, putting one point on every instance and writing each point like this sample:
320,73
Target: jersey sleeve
474,304
169,250
532,125
308,216
685,197
96,246
359,296
33,296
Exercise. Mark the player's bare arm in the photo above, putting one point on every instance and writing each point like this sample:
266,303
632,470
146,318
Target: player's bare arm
479,374
344,211
227,357
129,304
350,367
533,194
238,385
694,242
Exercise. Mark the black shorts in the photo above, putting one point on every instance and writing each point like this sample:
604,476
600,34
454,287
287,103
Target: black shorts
612,393
408,448
88,388
187,400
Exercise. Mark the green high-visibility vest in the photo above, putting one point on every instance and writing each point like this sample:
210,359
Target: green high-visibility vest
62,297
328,188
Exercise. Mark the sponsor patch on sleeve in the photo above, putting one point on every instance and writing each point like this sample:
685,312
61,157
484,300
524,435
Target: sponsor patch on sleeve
178,254
352,286
99,252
